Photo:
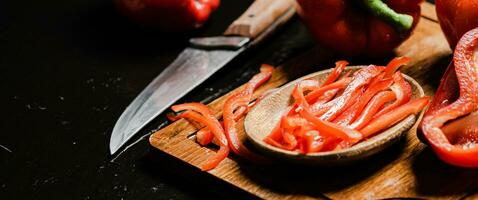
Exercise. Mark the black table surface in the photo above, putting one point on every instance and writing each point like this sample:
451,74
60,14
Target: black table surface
69,69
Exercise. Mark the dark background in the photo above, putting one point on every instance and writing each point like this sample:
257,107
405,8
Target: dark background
68,70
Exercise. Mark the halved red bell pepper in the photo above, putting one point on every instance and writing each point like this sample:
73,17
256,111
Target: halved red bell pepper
465,68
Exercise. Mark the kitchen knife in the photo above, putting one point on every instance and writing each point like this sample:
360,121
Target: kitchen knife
196,63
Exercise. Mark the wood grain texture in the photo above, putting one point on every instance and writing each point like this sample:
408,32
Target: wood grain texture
259,16
407,169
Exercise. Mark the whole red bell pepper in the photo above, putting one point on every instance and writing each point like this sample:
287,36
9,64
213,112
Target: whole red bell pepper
456,18
169,15
456,142
370,27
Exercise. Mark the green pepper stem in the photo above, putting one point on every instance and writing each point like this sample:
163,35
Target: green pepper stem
401,22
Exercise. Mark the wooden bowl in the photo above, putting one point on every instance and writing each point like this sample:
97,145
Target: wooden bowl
266,114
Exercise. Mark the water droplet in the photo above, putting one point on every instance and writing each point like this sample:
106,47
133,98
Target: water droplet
154,189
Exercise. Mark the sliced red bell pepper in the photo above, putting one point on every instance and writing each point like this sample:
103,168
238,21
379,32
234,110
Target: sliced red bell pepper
198,107
323,127
393,66
313,141
232,136
403,92
371,91
300,88
240,101
466,70
331,129
335,73
204,136
390,118
213,125
319,109
360,78
303,129
372,107
342,83
329,95
347,116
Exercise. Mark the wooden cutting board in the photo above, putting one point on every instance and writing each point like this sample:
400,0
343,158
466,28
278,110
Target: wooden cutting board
407,169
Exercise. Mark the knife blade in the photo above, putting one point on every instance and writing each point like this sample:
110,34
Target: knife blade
198,62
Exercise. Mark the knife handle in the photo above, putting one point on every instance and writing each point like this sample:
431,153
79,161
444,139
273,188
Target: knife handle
262,16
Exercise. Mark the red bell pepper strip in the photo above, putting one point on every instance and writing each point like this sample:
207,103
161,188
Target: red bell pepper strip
335,73
238,101
346,117
240,111
298,92
390,118
198,107
323,127
466,69
403,92
318,109
331,129
313,141
172,117
329,95
360,78
373,106
371,91
342,83
235,144
393,66
204,136
213,125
